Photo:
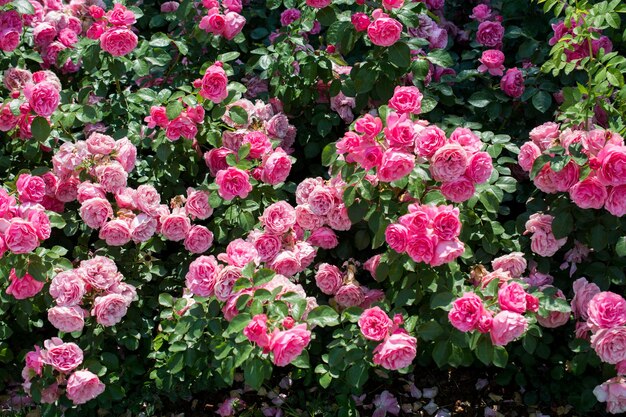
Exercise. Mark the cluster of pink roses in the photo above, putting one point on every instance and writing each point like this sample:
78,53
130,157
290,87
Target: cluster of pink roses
398,349
604,182
382,30
113,29
345,288
32,95
96,282
576,51
457,162
63,358
285,345
11,28
183,125
542,239
428,234
229,24
24,225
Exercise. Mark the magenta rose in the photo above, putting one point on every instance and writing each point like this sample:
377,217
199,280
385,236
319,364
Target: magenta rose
606,310
256,331
480,167
30,188
287,345
458,191
318,4
118,41
429,140
328,278
83,386
513,83
214,83
397,237
233,182
466,312
397,352
44,98
375,324
490,34
276,168
67,319
24,287
612,161
384,31
492,61
446,224
64,357
507,326
512,297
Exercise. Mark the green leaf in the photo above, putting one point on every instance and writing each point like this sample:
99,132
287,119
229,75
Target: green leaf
484,350
562,225
441,352
538,165
238,323
441,300
480,99
357,375
429,330
440,57
23,7
323,316
173,109
500,356
238,114
160,40
40,129
329,154
166,300
399,54
542,101
620,247
256,371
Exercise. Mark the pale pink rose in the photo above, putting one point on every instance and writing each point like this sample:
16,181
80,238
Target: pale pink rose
286,263
276,167
375,324
87,190
50,394
109,309
83,386
21,236
267,246
613,393
308,220
338,218
371,265
406,100
447,251
467,139
458,191
512,83
233,24
507,326
612,160
429,140
514,263
569,137
278,218
395,165
115,233
30,188
239,253
256,331
595,140
100,272
24,287
67,319
233,182
199,239
142,228
606,310
44,98
286,286
479,168
287,345
324,238
147,199
118,41
350,295
64,357
545,244
95,212
100,144
175,226
321,200
490,34
588,193
492,61
466,312
214,83
225,282
305,188
397,237
328,278
125,154
202,274
305,253
449,163
610,344
512,297
384,31
129,292
112,177
67,288
544,135
397,352
527,155
616,201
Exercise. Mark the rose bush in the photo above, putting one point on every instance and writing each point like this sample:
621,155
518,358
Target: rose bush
204,196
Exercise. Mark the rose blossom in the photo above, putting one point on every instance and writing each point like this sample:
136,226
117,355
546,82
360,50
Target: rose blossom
606,310
44,98
112,177
328,278
199,239
554,318
118,41
239,253
200,278
233,182
613,393
514,263
480,167
287,345
458,191
466,312
24,287
490,34
276,167
142,227
544,135
397,352
175,226
429,140
527,155
395,165
256,331
612,161
375,324
278,218
95,212
324,238
406,100
384,31
512,83
214,83
588,193
67,288
267,246
397,237
616,201
64,357
115,233
492,61
109,309
512,297
67,319
610,344
506,327
100,144
30,188
83,386
100,272
21,237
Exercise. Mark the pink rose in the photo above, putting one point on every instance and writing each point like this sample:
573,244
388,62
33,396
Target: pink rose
308,220
287,345
142,228
399,133
613,393
109,309
21,236
112,176
239,253
466,312
606,310
318,4
67,288
44,34
421,248
115,233
371,265
397,237
44,98
492,61
588,193
507,326
100,144
67,319
200,279
369,125
610,344
214,83
449,163
125,154
512,297
616,201
175,227
233,24
395,165
514,263
256,331
286,263
338,218
118,41
225,282
480,167
40,221
199,239
278,218
360,21
24,287
554,318
375,324
527,155
328,278
429,140
83,386
544,135
30,188
350,295
64,357
100,272
267,246
613,165
481,13
216,159
321,200
447,251
467,139
545,244
397,352
406,100
95,212
276,167
458,191
567,177
324,238
259,144
512,83
446,224
490,34
384,31
233,182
